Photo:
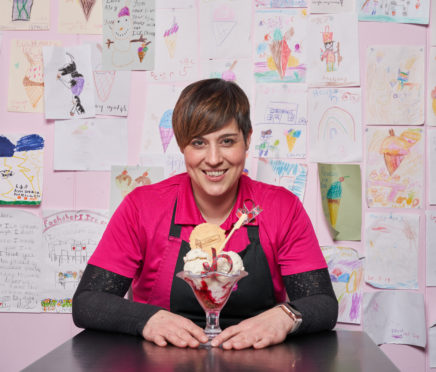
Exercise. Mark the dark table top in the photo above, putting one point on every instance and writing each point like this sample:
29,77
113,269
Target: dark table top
326,351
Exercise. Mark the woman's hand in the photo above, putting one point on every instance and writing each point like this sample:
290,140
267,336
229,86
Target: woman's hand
165,327
268,328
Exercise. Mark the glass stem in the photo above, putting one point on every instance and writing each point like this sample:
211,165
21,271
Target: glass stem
212,323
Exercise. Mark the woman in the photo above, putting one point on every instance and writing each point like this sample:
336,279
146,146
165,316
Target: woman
146,240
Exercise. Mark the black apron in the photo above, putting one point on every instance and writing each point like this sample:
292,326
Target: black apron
254,293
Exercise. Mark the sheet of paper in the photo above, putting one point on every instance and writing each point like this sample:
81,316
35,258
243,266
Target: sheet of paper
236,70
341,195
430,243
21,169
29,15
224,28
335,125
395,85
432,346
431,86
26,75
432,26
280,117
332,53
126,178
69,239
111,88
20,242
280,52
346,272
128,35
292,176
176,54
416,11
90,144
431,156
332,6
80,17
172,163
174,4
69,91
391,246
281,3
395,317
394,167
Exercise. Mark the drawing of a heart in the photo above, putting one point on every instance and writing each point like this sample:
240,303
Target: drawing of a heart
87,6
103,81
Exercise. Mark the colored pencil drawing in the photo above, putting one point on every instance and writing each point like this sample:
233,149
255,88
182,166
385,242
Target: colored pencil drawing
170,37
332,6
330,55
391,247
87,6
400,11
279,38
21,10
431,87
395,85
346,273
25,15
21,169
281,3
166,128
80,16
394,168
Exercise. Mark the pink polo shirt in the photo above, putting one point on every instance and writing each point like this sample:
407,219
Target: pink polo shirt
136,244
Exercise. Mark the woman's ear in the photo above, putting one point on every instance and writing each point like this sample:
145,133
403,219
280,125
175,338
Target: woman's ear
248,140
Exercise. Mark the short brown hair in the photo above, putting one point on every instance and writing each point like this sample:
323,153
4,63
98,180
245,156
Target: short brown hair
208,105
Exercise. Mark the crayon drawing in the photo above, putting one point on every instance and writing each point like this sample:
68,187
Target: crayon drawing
80,17
332,53
394,168
332,6
279,52
225,29
21,169
391,246
395,85
431,87
346,272
28,15
335,126
400,11
69,239
292,176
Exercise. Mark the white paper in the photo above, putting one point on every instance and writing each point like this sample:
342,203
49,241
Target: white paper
332,6
432,346
292,176
332,52
172,163
281,3
431,86
128,35
126,178
432,25
69,239
395,317
176,53
174,4
335,125
280,118
68,88
20,248
111,88
92,144
225,28
430,257
391,246
431,161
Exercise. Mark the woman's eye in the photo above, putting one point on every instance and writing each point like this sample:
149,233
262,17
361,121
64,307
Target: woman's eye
228,141
197,143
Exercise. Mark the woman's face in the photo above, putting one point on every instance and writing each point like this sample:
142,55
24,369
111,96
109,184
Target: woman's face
215,161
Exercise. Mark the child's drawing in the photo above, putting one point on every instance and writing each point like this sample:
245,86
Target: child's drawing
25,15
395,85
431,87
21,10
279,38
332,50
335,125
166,128
391,247
87,6
346,272
281,3
400,11
332,6
128,35
80,16
170,37
292,176
21,169
395,170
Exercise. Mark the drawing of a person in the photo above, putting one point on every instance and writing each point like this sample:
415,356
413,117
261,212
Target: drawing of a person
74,81
329,54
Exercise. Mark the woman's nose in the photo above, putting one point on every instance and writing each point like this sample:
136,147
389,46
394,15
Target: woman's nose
213,156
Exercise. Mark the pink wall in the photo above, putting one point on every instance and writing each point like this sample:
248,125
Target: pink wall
26,337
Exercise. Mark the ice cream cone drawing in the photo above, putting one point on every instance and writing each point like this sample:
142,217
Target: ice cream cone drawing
433,100
223,23
33,81
103,81
229,75
124,183
291,137
170,37
280,50
396,148
166,129
334,195
142,50
87,6
21,10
